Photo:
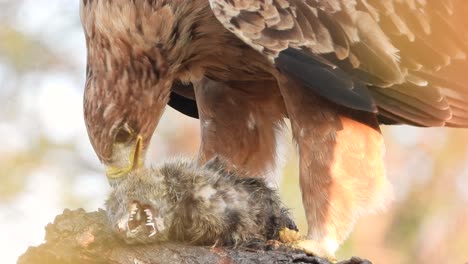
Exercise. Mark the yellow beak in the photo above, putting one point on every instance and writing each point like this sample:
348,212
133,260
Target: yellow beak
134,162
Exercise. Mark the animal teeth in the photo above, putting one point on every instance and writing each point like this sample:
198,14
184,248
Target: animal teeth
149,215
133,213
154,229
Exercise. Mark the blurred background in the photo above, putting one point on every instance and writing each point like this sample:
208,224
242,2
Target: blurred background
47,163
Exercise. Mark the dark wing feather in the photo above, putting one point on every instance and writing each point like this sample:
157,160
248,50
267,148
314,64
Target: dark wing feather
309,70
182,99
410,55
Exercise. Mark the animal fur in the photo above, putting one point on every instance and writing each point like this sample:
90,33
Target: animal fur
207,205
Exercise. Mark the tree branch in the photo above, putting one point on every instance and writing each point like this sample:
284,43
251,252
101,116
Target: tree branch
80,237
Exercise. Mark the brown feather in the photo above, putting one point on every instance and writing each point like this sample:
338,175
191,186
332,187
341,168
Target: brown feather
382,43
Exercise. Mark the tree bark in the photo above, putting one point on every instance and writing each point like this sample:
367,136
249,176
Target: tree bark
80,237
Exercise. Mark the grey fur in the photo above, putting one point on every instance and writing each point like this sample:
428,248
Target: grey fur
198,205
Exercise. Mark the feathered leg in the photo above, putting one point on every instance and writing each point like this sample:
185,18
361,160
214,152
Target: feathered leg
342,173
240,124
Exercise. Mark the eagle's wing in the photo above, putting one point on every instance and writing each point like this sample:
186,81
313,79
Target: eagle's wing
403,58
182,99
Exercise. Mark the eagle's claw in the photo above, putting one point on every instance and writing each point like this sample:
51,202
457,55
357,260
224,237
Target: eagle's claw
293,239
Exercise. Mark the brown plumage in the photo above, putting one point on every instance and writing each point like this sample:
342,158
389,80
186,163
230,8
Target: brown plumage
337,69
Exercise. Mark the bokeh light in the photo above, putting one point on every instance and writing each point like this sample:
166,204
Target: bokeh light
47,163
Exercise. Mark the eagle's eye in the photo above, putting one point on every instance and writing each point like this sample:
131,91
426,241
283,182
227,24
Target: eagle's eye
123,135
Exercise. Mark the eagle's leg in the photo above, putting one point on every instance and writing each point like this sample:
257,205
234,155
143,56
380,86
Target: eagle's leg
341,166
240,121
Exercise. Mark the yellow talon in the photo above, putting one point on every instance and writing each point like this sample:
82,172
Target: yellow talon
294,240
287,235
313,248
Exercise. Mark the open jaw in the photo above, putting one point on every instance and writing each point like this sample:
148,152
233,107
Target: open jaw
134,162
141,215
141,224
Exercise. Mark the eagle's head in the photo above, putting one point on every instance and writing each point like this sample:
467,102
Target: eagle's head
136,50
128,81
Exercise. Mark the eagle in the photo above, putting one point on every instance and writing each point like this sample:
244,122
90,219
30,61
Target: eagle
334,69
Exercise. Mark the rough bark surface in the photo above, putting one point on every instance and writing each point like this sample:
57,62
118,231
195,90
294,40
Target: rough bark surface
80,237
